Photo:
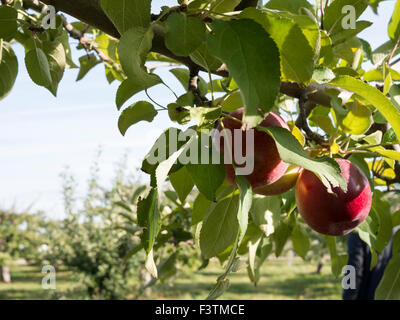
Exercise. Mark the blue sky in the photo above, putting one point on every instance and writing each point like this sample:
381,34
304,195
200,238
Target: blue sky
40,134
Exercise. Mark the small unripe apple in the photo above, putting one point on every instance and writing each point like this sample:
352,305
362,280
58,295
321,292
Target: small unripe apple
285,183
268,166
336,213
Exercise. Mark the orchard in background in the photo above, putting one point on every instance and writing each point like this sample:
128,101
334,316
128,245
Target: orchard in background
286,59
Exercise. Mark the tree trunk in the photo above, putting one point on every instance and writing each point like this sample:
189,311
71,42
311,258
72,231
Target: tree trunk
319,267
145,278
321,263
5,274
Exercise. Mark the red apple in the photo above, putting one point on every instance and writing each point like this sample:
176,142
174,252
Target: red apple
285,183
335,213
268,166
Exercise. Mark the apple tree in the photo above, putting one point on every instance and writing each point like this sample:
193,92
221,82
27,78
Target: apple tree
335,102
22,236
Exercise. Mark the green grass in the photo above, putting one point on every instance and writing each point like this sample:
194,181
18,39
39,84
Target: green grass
27,284
278,281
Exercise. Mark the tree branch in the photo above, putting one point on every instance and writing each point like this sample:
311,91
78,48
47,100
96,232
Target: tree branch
306,107
246,4
33,4
87,43
90,12
193,87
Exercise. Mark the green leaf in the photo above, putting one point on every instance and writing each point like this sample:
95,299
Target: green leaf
324,122
326,51
383,51
374,4
369,238
202,57
396,218
301,241
110,75
358,119
245,201
338,261
396,243
367,232
372,96
323,74
128,89
288,201
132,252
379,118
394,93
389,287
289,5
390,136
311,31
297,56
131,229
87,63
377,75
291,151
266,213
186,100
387,83
359,161
64,39
347,34
8,69
178,113
205,116
183,77
167,267
173,196
246,38
232,102
219,289
394,24
123,205
137,193
333,15
38,67
107,45
55,54
139,111
253,245
207,177
382,211
150,264
346,71
8,22
133,48
281,235
200,208
220,227
165,145
184,34
163,169
182,183
264,252
126,14
374,138
391,154
149,219
226,6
